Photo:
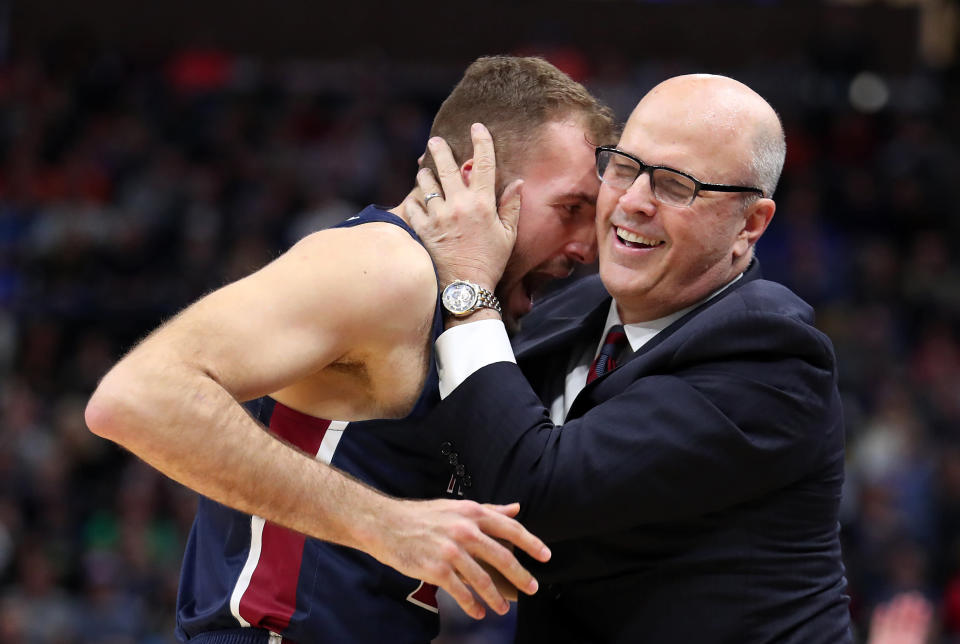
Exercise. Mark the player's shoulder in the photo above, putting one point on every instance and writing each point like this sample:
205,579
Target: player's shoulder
378,266
377,248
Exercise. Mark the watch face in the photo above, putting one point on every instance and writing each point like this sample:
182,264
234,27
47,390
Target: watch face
459,297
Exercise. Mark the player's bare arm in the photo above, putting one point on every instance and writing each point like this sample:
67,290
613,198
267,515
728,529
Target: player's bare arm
174,401
384,293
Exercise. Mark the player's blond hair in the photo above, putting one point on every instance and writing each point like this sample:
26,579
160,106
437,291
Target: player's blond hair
514,97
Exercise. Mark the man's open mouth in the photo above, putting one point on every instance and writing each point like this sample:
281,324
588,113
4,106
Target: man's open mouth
633,240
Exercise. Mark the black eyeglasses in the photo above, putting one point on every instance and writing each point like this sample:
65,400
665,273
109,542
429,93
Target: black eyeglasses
620,169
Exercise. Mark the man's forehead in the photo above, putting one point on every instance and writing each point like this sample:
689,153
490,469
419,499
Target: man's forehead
560,148
676,120
560,166
558,138
698,100
696,138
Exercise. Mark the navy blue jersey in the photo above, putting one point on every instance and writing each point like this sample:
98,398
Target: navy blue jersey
247,580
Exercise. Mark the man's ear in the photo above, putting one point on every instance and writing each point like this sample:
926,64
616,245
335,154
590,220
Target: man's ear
755,221
465,171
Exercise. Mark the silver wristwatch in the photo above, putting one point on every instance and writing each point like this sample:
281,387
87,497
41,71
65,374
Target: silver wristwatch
461,298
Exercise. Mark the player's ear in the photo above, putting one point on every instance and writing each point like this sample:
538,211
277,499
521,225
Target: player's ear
465,171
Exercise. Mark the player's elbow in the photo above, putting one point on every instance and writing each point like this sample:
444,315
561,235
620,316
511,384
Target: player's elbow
99,413
112,408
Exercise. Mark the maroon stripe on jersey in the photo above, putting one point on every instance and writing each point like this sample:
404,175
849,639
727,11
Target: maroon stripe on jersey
306,432
271,597
425,595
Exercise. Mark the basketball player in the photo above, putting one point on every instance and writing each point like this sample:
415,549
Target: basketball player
231,397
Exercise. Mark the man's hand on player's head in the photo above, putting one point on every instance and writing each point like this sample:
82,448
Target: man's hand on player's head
444,542
469,237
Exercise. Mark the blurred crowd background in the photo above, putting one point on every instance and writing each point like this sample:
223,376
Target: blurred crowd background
134,179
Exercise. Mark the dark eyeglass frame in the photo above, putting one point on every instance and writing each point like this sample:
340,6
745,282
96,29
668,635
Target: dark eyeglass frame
698,185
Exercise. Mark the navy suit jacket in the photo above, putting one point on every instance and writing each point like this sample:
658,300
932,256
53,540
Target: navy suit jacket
691,495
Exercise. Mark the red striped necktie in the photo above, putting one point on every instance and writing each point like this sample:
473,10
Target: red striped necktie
606,361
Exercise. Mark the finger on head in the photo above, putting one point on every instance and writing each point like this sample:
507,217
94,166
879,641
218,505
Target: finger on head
427,183
447,169
484,175
414,208
416,195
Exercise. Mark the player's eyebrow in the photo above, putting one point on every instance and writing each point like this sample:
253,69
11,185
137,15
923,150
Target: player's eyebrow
580,195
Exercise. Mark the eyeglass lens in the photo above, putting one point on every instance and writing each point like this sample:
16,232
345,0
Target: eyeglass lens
621,171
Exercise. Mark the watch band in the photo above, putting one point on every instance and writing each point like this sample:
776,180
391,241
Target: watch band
487,299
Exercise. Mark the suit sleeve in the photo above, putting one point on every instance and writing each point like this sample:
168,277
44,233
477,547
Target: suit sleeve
722,422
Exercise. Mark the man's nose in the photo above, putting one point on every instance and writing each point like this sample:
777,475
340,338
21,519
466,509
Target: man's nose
583,249
638,198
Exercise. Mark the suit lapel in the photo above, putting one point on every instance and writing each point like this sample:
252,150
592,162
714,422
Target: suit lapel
590,396
543,347
557,333
562,334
